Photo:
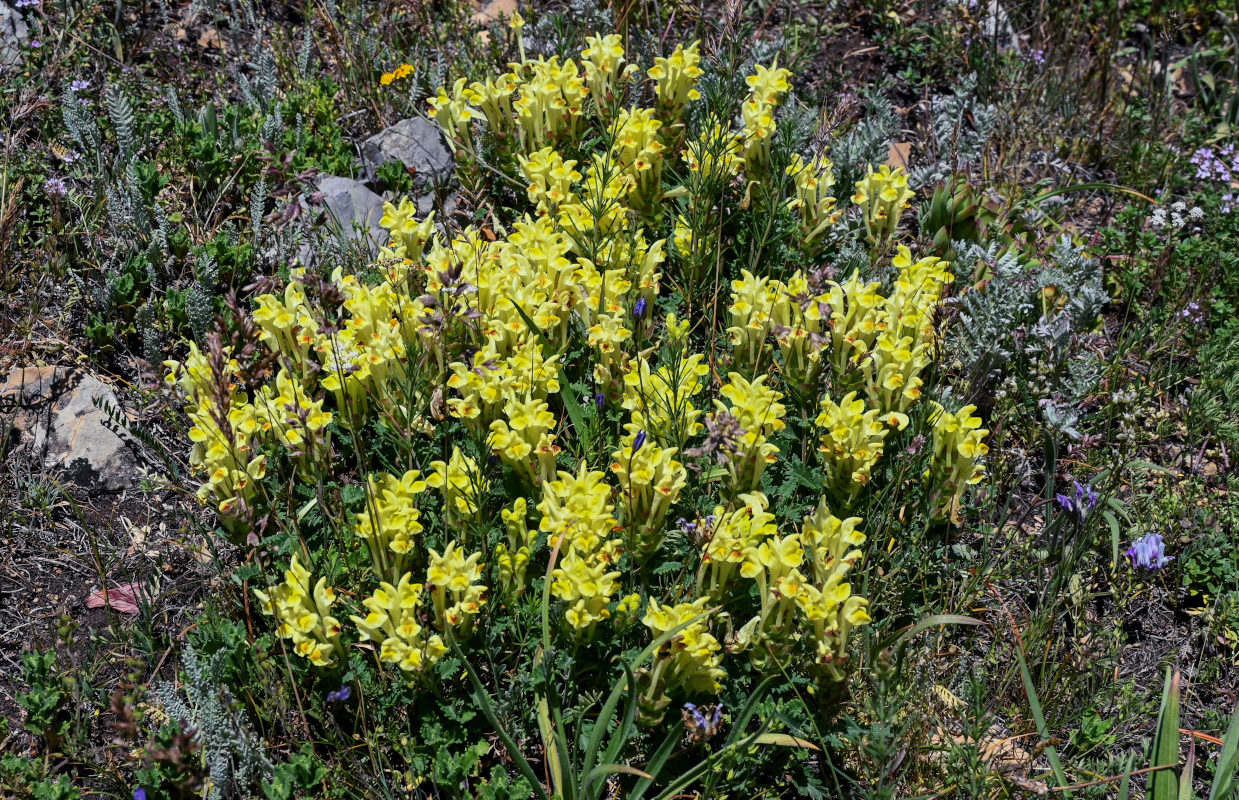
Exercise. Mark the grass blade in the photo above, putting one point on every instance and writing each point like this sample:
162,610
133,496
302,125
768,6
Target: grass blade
1227,761
1039,717
1164,785
488,711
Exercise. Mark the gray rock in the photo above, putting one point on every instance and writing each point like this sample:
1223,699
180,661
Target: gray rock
353,209
54,412
416,143
13,32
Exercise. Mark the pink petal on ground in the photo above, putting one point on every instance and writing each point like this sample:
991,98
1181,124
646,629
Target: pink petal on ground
123,598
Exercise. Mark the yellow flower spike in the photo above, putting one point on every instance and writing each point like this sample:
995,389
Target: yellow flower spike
691,664
525,439
391,524
462,484
585,585
393,623
650,481
458,597
852,440
958,456
605,70
302,611
675,80
882,196
752,306
578,509
728,535
638,150
660,400
758,414
816,207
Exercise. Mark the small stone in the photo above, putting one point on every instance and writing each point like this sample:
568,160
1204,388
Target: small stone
416,143
354,209
54,412
13,33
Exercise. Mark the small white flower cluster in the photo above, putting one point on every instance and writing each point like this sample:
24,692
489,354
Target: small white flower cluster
1177,217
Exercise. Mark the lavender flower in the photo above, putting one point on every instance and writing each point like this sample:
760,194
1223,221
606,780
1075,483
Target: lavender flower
340,695
702,723
79,86
1149,552
638,442
1036,57
55,187
1084,500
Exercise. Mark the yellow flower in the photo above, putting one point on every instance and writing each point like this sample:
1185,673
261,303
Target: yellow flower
462,484
393,623
302,611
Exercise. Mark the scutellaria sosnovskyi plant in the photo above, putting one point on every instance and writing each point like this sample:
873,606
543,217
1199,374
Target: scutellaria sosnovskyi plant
486,329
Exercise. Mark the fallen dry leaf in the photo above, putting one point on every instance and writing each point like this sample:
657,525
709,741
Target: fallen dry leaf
899,155
123,598
492,9
209,39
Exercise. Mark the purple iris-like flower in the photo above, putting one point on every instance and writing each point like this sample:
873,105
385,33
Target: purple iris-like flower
1084,500
340,695
1149,552
638,441
702,723
638,311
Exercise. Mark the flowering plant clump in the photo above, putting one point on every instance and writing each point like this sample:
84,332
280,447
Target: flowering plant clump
500,422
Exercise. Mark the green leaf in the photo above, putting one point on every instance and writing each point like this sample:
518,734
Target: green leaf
900,637
1227,761
1114,538
488,710
786,740
1042,729
1164,784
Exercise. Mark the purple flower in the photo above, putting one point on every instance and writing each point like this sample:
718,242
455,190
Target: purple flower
340,695
702,723
79,85
139,794
1036,57
1084,501
55,187
638,441
600,401
1149,552
638,311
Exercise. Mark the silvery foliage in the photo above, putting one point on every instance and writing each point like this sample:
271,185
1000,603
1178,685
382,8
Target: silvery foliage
962,129
80,123
1004,331
174,105
199,303
305,53
234,755
260,92
559,33
120,112
867,143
